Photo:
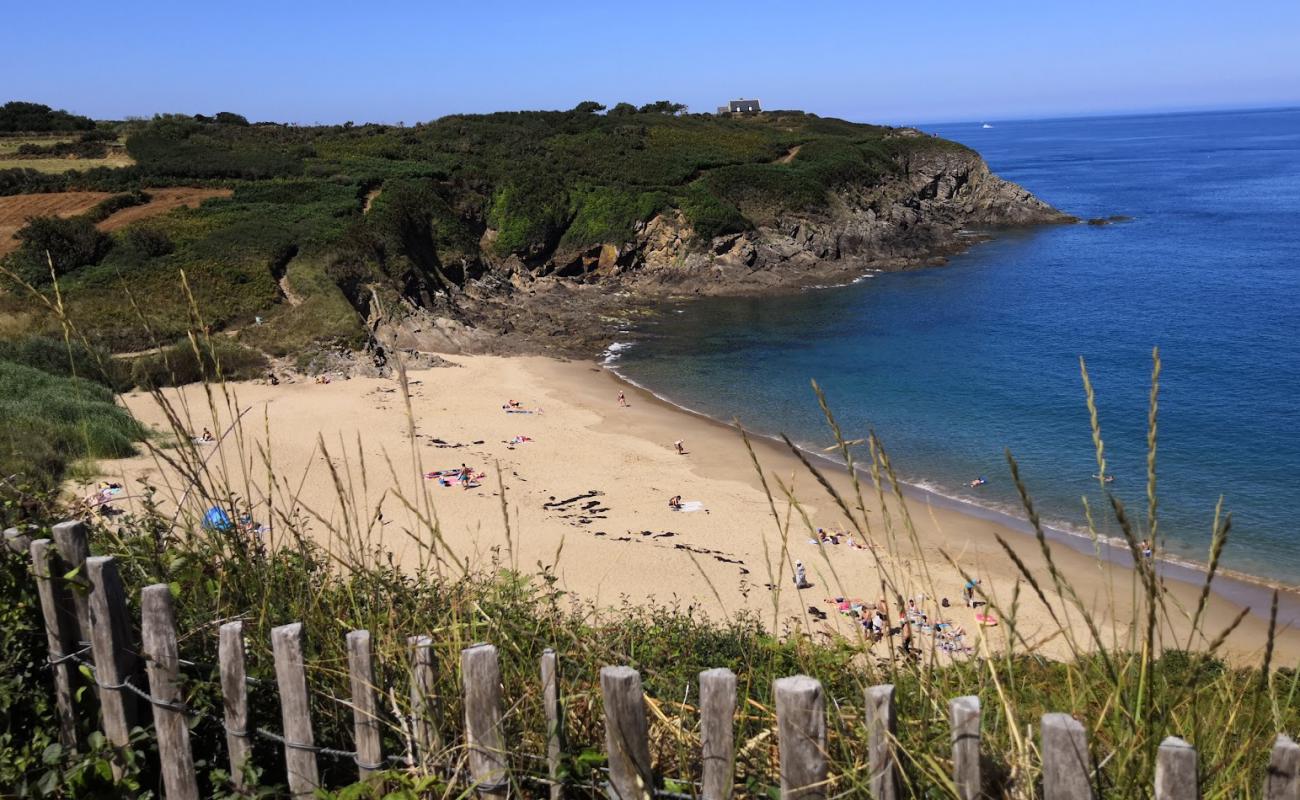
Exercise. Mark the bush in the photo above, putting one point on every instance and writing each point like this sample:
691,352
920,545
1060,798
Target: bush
48,421
65,359
71,243
148,241
179,364
110,206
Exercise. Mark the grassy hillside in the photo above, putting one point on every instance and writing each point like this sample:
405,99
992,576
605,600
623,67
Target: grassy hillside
293,246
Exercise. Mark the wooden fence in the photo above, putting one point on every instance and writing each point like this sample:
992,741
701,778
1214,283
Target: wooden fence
95,612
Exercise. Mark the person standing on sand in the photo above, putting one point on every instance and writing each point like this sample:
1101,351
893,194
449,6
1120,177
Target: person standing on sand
800,576
622,399
681,448
969,591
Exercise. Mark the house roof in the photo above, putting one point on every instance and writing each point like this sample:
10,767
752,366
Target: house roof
744,105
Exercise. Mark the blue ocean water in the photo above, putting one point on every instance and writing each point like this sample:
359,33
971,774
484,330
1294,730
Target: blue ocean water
953,365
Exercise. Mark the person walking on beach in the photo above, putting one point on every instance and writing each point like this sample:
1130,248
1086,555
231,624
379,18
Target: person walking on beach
622,399
681,448
800,576
968,591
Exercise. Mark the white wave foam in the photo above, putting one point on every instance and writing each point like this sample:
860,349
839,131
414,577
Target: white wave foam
615,351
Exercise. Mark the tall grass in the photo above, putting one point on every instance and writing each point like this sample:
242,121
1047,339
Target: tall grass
1128,681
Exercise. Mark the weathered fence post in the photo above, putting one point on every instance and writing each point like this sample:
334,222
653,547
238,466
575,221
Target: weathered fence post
627,734
365,708
115,661
481,681
964,713
882,731
550,667
18,541
158,624
801,736
295,710
717,733
424,729
60,637
234,694
1176,771
1283,781
1066,764
71,539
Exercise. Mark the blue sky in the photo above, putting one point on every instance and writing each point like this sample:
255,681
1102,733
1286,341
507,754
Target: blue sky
867,60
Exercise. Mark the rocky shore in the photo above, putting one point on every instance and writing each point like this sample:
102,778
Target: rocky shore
937,203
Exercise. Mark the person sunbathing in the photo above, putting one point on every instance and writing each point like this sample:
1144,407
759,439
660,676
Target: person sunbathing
675,503
207,436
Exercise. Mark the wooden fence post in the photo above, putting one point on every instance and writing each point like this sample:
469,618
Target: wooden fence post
550,667
1066,764
717,733
158,624
882,731
480,672
18,541
424,729
1283,781
801,736
1176,771
964,713
71,539
115,661
627,734
365,706
60,637
234,695
295,710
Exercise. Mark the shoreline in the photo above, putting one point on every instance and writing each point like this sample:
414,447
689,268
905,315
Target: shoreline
734,557
1241,588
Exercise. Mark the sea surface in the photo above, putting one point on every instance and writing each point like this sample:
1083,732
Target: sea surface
953,366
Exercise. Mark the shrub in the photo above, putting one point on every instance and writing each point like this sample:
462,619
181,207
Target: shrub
65,359
179,364
71,243
148,241
110,206
17,116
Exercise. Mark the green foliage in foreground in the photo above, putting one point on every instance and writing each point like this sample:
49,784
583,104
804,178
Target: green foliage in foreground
453,195
1229,713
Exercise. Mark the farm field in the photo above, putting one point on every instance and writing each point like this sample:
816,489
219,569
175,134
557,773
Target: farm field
15,210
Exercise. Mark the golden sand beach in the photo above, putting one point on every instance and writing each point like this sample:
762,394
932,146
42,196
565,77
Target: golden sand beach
587,495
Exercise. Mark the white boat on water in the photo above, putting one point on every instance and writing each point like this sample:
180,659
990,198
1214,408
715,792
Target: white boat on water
986,125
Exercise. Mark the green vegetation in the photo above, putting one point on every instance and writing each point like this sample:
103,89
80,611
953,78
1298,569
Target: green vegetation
17,116
47,422
546,186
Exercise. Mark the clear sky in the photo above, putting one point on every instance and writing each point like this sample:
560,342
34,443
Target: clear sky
868,60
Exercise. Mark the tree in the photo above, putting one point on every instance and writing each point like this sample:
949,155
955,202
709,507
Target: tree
17,115
662,107
71,243
230,118
588,107
622,109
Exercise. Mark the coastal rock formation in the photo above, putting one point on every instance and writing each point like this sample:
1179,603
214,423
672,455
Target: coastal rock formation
937,203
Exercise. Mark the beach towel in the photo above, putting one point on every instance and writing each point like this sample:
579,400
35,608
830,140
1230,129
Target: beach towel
692,505
986,619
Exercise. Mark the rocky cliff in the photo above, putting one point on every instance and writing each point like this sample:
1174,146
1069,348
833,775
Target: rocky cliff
935,204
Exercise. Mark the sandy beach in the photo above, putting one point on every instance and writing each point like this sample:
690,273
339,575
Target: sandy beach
587,483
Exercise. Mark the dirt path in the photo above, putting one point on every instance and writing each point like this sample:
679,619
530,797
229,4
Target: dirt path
789,156
370,200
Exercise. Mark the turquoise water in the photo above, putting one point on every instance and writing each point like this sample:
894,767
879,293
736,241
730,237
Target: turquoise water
953,365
